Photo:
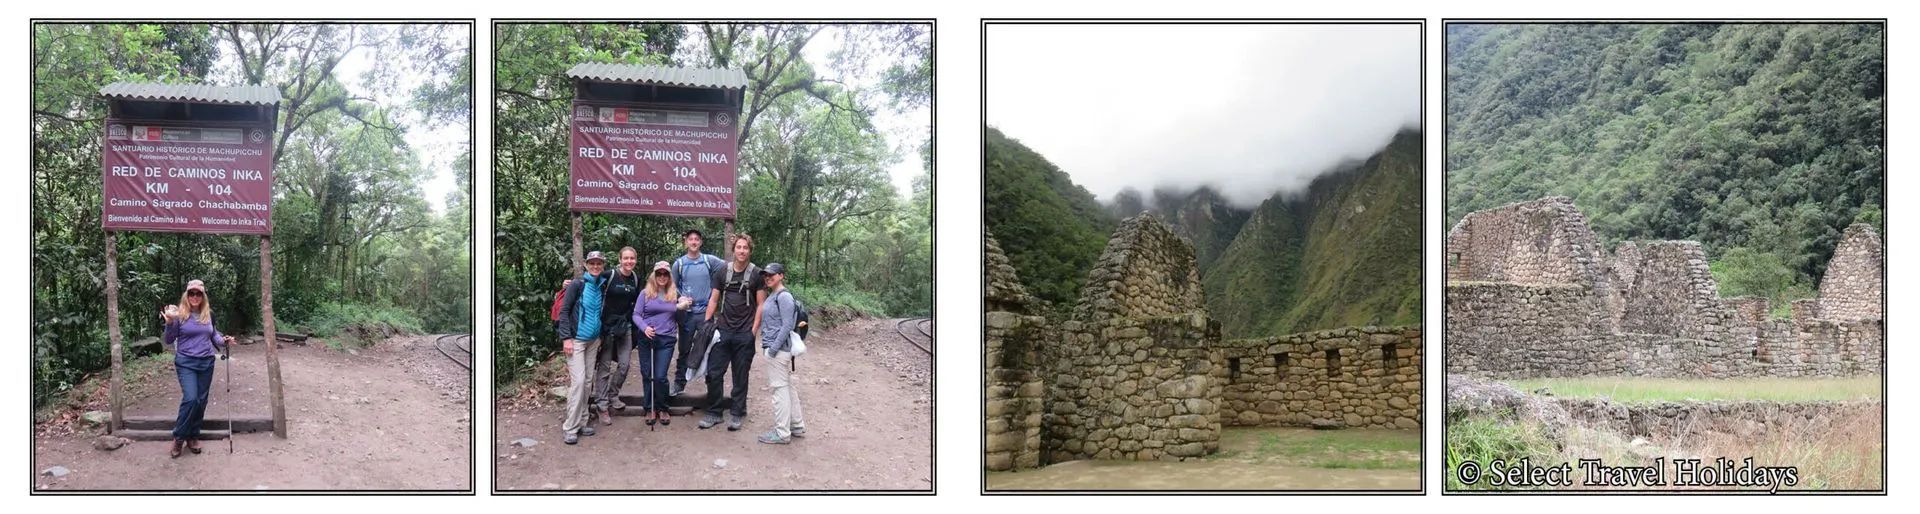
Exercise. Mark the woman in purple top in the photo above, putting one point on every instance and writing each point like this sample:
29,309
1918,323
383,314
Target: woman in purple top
654,317
195,341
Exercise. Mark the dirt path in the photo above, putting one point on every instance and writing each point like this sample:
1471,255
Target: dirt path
868,403
394,416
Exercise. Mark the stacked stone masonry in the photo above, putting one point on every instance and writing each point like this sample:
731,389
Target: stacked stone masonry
1667,421
1654,311
1851,288
1358,377
1139,372
1015,394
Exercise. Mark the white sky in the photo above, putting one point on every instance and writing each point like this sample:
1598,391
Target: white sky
1249,109
436,145
903,130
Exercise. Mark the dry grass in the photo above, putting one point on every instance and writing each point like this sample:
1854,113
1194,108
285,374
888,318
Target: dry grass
1845,454
1644,390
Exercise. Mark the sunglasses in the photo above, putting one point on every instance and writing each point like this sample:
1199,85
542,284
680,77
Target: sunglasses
195,293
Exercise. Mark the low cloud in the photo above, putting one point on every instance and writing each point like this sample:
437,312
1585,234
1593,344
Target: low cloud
1251,110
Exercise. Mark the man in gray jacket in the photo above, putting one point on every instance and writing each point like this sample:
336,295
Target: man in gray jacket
777,320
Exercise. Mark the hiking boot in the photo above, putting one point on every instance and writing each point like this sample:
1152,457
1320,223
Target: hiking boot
772,437
587,431
734,426
709,421
798,431
193,445
572,439
175,452
619,405
606,418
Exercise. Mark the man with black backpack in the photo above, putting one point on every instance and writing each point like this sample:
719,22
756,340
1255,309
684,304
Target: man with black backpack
734,308
779,318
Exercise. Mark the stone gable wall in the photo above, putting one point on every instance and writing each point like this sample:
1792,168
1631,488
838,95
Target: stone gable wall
1852,287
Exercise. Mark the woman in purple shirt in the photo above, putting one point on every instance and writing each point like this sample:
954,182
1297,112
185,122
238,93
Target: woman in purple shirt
195,341
654,317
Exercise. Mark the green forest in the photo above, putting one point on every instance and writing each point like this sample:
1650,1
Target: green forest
1344,252
815,192
1761,141
356,241
1052,229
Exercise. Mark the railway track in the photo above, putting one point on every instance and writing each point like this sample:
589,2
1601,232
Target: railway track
921,326
457,347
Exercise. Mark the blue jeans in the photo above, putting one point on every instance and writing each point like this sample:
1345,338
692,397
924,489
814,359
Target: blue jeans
196,378
655,362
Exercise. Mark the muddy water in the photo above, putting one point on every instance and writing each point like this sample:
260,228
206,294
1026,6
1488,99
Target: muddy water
1249,459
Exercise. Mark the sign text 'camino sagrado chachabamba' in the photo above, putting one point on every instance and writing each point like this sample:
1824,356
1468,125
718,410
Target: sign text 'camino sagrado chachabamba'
644,159
206,178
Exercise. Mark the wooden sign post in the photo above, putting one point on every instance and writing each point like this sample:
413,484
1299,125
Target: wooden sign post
194,159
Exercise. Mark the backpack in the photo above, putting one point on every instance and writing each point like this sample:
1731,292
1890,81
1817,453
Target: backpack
799,315
618,327
753,272
681,265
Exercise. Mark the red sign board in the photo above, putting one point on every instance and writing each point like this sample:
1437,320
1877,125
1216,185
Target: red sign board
675,160
187,177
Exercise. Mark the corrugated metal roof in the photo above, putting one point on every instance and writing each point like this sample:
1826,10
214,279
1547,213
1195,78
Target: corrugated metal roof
723,78
244,95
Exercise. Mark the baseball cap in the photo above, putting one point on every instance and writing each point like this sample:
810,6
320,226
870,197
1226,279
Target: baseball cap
596,256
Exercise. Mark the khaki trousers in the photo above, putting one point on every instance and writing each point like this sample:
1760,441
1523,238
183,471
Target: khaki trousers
786,399
579,384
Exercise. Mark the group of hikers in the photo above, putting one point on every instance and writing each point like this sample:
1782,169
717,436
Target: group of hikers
696,315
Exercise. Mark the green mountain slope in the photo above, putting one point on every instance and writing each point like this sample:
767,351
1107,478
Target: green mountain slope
1204,218
1346,252
1051,229
1758,138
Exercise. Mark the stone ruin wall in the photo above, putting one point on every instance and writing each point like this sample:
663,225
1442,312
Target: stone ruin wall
1656,314
1673,293
1139,372
1015,394
1667,421
1146,271
1851,288
1132,377
1373,380
1544,241
1504,330
1133,389
1623,269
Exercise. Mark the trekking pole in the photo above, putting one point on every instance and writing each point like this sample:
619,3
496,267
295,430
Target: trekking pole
653,393
226,354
